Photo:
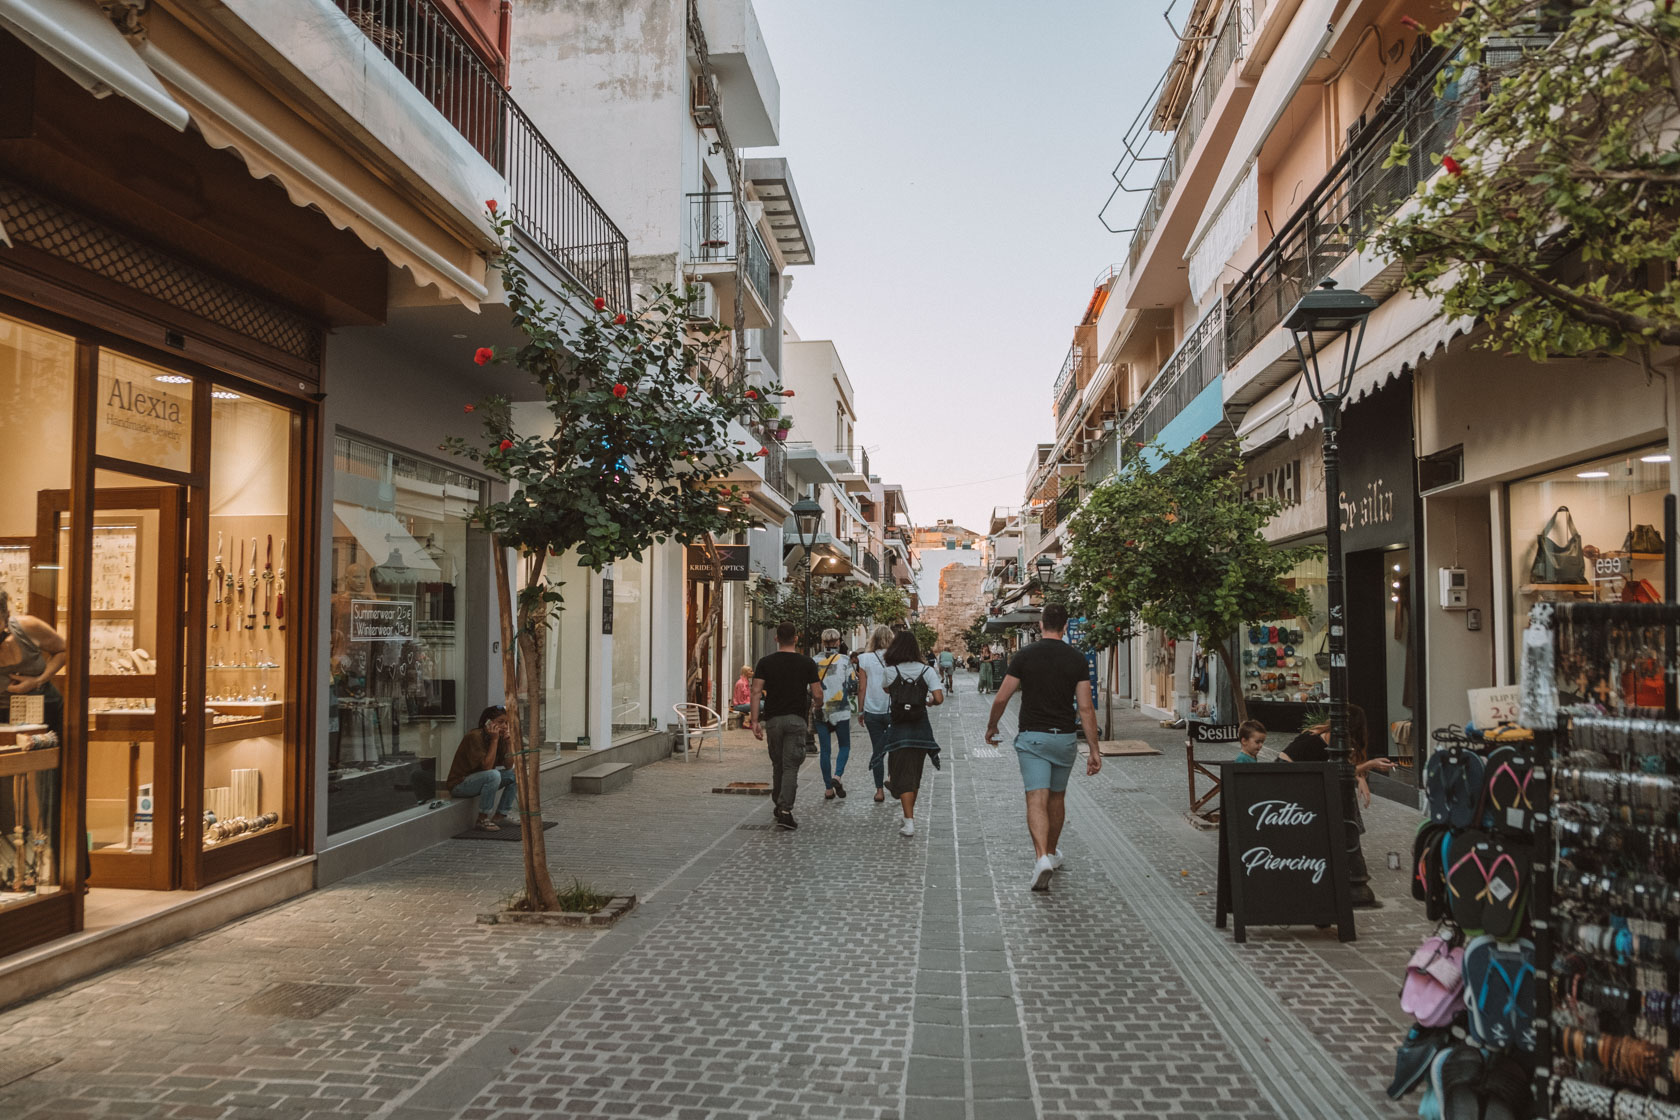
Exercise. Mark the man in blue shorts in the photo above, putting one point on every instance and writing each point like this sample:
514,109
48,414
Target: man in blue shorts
1055,701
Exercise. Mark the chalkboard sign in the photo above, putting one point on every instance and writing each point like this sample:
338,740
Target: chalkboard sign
1283,851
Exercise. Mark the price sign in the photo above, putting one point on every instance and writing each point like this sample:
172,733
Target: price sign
1612,567
1492,706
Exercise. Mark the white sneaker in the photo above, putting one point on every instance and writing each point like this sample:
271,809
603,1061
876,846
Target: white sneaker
908,828
1056,860
1042,870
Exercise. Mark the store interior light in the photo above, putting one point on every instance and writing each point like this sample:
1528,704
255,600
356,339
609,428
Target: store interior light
1664,457
172,379
1592,474
224,395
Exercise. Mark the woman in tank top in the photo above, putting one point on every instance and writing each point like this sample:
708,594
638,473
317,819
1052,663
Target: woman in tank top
31,655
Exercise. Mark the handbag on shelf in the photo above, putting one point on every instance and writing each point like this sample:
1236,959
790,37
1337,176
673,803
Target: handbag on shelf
1322,657
1559,563
1643,538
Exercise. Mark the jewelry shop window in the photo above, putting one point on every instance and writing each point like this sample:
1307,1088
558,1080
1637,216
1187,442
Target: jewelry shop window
397,704
36,390
1592,531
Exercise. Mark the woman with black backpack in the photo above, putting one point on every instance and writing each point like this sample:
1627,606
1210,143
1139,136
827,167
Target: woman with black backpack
911,685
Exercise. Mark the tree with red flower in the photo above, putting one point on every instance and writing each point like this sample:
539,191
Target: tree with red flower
484,355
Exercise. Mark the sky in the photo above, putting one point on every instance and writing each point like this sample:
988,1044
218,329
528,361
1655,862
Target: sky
951,156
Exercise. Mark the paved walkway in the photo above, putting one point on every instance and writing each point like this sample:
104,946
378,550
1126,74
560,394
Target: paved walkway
841,971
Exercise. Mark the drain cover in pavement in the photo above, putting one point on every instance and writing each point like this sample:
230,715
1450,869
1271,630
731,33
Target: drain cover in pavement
297,1001
17,1068
762,788
1111,747
754,827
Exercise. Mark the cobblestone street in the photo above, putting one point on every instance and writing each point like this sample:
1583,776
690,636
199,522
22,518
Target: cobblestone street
839,971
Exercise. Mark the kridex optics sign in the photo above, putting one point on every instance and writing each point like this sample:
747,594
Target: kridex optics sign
1283,851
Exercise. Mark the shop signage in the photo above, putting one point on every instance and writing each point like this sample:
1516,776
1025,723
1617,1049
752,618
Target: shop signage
381,620
1213,732
1612,567
606,604
1280,484
733,556
144,421
1377,483
1492,706
1283,853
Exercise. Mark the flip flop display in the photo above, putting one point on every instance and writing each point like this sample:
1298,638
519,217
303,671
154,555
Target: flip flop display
1499,991
1452,779
1414,1057
1454,1077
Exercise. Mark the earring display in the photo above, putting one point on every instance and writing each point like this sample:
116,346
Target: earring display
29,763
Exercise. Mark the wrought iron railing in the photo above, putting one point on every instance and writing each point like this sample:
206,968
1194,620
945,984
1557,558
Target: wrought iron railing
1358,192
1103,458
546,201
1066,389
1066,502
872,565
712,229
1192,367
1226,49
775,471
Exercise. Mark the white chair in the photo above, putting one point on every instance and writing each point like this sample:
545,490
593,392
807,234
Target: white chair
699,721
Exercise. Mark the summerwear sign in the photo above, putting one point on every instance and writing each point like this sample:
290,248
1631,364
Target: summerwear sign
381,620
1283,851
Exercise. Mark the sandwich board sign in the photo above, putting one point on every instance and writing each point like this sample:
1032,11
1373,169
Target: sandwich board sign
1282,848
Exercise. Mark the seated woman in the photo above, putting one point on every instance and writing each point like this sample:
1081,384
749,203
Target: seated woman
32,653
909,745
740,701
1313,745
483,767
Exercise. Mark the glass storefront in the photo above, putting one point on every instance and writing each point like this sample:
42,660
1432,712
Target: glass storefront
1279,656
632,636
153,725
397,704
1592,531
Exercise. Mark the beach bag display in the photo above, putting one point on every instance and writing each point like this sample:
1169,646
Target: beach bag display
1559,563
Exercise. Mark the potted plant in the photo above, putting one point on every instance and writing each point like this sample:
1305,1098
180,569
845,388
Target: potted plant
782,424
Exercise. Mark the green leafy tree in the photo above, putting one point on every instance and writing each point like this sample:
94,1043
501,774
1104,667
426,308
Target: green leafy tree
1557,222
888,605
1180,548
974,637
926,636
636,453
835,605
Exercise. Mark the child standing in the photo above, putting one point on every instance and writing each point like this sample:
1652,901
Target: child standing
1251,736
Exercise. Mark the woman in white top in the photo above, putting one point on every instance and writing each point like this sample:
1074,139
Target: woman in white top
871,670
910,742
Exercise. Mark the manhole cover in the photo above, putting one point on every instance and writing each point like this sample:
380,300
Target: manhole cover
753,827
759,788
14,1068
297,1001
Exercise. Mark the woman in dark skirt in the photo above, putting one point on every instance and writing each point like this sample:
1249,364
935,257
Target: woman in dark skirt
908,746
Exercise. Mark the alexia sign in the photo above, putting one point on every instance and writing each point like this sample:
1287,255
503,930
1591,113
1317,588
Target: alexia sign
144,423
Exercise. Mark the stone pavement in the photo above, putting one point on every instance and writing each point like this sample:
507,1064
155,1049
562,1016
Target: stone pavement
840,971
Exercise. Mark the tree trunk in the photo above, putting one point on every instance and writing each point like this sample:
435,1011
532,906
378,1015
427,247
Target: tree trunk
539,885
1236,680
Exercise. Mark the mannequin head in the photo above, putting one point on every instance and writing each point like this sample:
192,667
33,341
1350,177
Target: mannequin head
355,579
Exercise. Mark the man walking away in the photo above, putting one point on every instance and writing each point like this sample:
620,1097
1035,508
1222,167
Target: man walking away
785,686
1055,699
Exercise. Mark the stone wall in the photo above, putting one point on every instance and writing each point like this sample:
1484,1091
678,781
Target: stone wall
960,599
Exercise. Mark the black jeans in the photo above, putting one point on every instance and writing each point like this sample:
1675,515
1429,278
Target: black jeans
784,737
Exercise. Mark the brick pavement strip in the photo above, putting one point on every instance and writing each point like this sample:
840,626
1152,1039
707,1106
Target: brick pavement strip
840,971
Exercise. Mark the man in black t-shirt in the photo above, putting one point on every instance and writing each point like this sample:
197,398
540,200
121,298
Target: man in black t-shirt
1056,703
785,686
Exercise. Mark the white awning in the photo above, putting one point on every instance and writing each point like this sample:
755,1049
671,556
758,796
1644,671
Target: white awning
78,38
383,538
1268,420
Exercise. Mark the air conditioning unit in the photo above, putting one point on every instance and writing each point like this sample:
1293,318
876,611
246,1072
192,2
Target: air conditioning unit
703,101
705,305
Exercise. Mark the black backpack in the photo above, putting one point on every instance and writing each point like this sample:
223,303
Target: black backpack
907,697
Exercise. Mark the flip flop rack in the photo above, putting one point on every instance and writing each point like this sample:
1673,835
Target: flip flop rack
1606,908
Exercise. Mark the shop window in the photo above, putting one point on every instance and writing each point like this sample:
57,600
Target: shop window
1278,657
1592,531
397,702
252,619
37,377
631,640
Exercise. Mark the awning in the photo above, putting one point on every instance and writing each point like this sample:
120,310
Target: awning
79,39
1268,421
383,538
1024,617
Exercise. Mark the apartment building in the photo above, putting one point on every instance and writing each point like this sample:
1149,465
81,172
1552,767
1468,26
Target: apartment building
1253,173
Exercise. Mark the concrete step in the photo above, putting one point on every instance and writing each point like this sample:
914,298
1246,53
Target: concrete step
603,778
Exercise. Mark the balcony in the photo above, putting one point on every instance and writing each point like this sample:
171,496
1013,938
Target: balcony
1066,390
1358,192
855,478
872,565
1196,364
545,200
714,256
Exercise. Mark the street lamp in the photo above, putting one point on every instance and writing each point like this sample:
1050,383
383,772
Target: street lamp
1338,314
807,515
1046,568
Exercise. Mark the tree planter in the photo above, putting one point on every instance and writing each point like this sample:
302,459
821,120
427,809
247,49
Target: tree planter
607,916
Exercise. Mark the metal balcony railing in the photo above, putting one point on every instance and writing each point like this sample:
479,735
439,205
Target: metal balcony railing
872,565
1358,192
1066,390
1193,366
1103,459
712,228
546,201
775,471
1226,50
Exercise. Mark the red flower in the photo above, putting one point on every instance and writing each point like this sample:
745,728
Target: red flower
507,444
484,355
466,408
490,205
787,392
622,319
620,390
752,395
1201,439
763,451
1451,165
600,303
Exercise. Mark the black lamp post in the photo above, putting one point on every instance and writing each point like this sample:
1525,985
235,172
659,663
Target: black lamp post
807,514
1327,311
1046,568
